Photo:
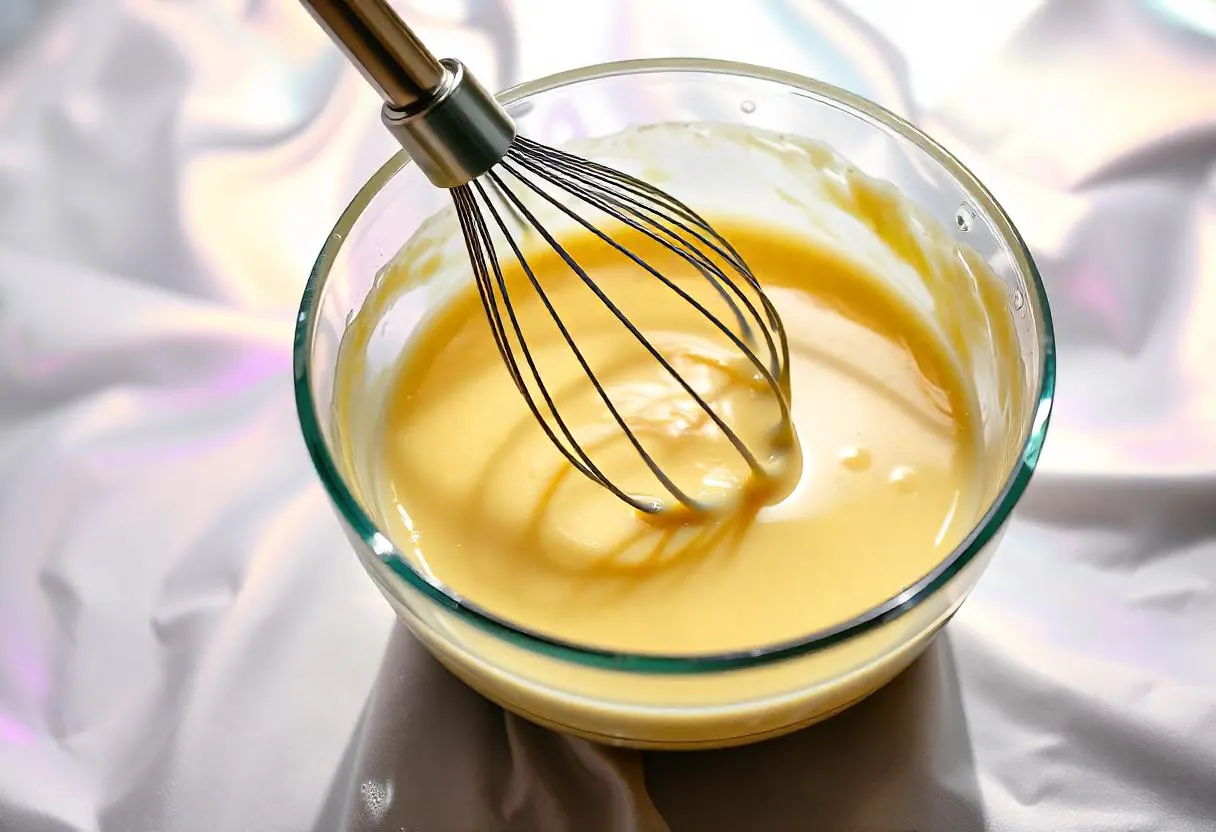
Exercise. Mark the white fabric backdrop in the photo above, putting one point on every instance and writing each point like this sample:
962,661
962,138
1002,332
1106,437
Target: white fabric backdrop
186,642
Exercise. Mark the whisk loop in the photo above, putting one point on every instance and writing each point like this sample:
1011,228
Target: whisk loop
662,219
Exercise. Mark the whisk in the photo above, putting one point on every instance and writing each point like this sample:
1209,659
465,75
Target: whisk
464,141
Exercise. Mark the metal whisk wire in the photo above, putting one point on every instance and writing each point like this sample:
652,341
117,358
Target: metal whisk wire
660,218
465,142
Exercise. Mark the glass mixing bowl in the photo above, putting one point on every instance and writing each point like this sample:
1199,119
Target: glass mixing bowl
671,700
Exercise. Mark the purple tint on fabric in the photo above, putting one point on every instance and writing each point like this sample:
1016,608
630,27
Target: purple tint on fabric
14,732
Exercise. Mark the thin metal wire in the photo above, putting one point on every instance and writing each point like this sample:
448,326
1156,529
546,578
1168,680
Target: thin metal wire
532,172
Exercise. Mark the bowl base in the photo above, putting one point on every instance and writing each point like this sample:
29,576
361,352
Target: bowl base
671,739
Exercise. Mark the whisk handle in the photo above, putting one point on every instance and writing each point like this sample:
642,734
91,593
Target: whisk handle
448,123
382,47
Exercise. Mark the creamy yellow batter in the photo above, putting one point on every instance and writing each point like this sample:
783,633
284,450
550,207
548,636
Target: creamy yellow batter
883,486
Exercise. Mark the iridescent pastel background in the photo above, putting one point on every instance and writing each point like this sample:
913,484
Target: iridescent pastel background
186,641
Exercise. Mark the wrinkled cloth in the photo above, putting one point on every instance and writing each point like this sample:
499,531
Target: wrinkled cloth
186,640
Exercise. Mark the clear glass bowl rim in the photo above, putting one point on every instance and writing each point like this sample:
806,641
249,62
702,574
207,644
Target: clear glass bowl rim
379,544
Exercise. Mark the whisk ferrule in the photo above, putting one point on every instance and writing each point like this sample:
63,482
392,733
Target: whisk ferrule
457,133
